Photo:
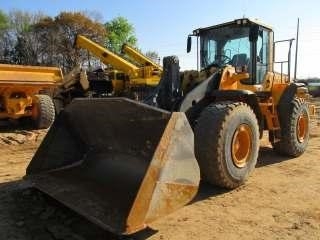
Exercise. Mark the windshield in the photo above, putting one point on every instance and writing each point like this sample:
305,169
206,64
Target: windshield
225,45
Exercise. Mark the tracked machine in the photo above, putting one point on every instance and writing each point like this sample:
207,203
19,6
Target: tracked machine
123,164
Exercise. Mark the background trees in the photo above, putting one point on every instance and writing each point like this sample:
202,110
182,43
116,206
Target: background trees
4,25
37,39
120,31
58,35
153,55
23,43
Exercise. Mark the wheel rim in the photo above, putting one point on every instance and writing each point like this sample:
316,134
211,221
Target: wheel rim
241,145
302,127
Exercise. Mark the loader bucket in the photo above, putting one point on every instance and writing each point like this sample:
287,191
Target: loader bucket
119,163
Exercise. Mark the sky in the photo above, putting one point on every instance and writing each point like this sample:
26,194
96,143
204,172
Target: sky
163,25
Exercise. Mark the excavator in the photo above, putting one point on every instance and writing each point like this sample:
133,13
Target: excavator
123,164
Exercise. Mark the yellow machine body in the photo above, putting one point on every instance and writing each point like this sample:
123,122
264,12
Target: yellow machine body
138,76
122,164
273,83
19,85
235,75
140,58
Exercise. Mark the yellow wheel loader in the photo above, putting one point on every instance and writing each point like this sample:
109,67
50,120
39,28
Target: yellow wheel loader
136,77
21,93
133,80
123,164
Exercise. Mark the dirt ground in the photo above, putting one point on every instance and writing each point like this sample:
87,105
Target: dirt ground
281,200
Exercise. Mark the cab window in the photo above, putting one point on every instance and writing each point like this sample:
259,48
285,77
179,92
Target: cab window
262,55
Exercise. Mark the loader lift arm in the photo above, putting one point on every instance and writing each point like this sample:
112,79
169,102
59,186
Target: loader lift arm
106,56
139,76
140,57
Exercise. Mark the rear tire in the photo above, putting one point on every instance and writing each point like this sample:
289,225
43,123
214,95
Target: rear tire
58,103
294,133
226,143
43,112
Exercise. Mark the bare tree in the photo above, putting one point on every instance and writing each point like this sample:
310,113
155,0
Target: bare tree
154,56
58,36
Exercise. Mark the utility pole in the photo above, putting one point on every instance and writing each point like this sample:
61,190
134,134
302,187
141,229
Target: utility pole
296,56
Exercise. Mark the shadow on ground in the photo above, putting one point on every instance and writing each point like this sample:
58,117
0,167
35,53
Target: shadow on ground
266,157
269,157
28,214
8,126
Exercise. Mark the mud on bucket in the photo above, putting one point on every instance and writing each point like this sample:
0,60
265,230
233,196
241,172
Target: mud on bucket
119,163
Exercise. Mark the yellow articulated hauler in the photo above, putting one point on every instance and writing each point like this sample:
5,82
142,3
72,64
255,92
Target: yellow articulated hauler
123,164
20,97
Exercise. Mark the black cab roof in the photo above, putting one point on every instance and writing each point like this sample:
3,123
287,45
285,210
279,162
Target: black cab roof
241,21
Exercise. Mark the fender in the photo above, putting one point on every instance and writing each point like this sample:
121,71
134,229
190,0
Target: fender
245,96
288,94
286,97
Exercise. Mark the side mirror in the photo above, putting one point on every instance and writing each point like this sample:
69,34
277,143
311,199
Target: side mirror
189,44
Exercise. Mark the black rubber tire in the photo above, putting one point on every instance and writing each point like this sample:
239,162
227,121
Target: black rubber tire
289,144
214,132
45,110
58,104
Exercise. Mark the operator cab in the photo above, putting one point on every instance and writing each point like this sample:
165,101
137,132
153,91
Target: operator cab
242,43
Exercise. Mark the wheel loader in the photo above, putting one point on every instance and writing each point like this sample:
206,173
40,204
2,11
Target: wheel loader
135,79
123,164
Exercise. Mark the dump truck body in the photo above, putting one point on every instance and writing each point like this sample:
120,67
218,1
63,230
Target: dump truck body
19,86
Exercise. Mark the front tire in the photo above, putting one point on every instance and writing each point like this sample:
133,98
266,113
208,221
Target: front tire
43,111
294,133
227,143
